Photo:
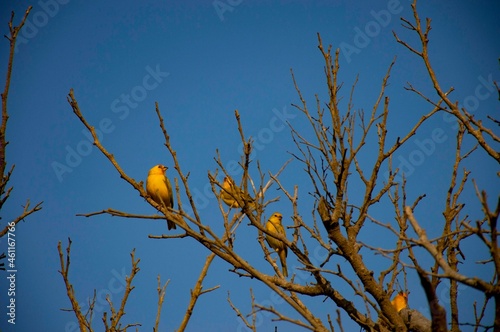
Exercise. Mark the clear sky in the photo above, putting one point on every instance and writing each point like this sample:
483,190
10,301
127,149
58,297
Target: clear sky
201,60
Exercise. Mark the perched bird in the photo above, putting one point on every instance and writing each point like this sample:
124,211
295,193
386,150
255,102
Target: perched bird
274,225
159,188
229,193
400,301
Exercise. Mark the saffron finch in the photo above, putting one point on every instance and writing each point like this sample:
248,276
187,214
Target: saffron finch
230,194
159,188
274,225
400,301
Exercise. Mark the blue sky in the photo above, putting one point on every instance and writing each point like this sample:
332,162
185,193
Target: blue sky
200,64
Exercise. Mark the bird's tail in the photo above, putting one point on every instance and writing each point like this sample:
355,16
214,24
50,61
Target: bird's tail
171,225
282,255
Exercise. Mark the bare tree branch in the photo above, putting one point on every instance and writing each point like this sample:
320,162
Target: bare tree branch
473,126
82,322
26,212
161,297
12,37
197,291
5,177
332,154
449,272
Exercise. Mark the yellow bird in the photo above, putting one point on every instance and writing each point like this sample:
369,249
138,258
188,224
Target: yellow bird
400,301
230,191
159,188
274,225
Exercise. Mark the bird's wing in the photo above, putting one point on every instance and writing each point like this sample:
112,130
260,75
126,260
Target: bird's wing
281,230
270,227
170,192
